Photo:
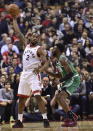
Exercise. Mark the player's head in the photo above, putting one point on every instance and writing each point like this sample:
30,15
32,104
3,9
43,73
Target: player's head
32,38
58,49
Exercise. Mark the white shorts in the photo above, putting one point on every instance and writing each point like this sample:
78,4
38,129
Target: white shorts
29,82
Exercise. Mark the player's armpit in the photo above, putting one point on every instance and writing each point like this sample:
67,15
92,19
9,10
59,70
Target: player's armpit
56,75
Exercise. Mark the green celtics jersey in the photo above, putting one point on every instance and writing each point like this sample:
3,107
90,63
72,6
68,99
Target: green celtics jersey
62,70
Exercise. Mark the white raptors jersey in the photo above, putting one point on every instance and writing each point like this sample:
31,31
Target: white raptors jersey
30,58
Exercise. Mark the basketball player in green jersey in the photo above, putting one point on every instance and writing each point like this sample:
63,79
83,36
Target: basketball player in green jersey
70,81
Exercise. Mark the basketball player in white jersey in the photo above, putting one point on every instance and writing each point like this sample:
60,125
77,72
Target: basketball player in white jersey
33,57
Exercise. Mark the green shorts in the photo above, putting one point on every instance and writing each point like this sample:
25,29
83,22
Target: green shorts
71,85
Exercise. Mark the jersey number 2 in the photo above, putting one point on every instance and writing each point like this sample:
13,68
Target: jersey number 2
27,58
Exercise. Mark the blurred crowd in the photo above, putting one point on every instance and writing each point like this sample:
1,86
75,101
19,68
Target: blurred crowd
69,22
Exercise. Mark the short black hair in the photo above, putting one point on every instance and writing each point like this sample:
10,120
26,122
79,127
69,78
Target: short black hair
61,47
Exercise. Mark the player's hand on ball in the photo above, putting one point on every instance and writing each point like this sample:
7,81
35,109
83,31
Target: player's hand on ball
13,10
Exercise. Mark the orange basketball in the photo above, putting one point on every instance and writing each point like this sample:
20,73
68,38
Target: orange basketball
14,10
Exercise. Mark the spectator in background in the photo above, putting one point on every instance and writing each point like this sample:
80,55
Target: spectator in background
31,110
90,59
7,52
16,65
8,47
2,81
47,89
68,34
64,21
91,96
3,41
3,24
84,38
47,94
79,31
6,95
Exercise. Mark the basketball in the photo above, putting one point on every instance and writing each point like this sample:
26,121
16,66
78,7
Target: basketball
14,10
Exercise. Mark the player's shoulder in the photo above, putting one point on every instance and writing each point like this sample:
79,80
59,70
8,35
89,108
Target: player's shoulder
41,51
39,48
27,46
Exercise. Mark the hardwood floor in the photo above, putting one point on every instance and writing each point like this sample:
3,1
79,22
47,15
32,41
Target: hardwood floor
55,126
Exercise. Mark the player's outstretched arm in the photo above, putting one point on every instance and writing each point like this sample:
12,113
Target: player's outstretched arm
56,75
18,32
45,64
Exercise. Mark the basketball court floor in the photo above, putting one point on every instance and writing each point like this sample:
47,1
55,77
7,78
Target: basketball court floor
55,126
